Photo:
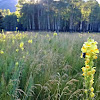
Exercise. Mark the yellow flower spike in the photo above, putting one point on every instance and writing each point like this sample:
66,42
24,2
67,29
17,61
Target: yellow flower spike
89,52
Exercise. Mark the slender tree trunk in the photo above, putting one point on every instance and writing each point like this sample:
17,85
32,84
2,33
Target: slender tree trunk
29,24
81,26
38,20
58,23
87,28
33,22
71,23
48,22
55,24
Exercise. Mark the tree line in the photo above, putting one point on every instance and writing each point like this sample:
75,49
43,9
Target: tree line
52,15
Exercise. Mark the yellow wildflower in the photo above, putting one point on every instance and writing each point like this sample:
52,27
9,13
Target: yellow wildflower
91,82
92,89
93,71
83,49
95,42
23,56
87,66
87,61
92,94
83,69
81,55
17,50
96,51
92,50
22,49
29,41
21,45
89,73
16,64
54,34
89,52
88,45
95,57
85,90
1,51
83,74
47,35
13,41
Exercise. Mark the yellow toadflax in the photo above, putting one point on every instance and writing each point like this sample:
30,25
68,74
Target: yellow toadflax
89,53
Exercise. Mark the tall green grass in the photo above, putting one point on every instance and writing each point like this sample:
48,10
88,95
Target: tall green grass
47,69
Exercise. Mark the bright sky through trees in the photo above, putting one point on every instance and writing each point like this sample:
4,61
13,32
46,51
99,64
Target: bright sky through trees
35,0
98,1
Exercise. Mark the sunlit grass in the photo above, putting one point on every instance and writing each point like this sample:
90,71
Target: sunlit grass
43,66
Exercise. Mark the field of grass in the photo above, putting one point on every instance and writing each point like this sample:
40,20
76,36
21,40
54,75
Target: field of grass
44,67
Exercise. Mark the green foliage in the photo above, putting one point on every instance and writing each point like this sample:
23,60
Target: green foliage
1,21
63,15
5,12
10,22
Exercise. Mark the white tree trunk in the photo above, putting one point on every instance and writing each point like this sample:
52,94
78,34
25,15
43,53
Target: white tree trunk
71,23
48,22
81,26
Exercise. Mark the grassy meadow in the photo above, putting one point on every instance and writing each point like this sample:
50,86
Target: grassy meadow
44,66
